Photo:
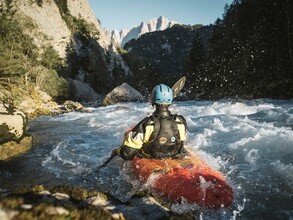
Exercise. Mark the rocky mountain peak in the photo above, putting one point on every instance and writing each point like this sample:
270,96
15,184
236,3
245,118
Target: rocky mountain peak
155,24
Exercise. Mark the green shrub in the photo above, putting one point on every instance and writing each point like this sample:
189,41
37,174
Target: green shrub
54,85
51,59
17,50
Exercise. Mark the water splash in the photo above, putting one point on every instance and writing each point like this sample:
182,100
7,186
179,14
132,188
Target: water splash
249,141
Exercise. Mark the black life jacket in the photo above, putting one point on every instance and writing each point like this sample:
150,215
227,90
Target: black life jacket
165,139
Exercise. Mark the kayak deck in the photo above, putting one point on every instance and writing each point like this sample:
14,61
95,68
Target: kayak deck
188,180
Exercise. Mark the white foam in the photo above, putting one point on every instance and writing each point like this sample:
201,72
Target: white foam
71,116
286,171
230,108
214,162
183,207
266,130
219,125
202,140
252,156
240,208
152,179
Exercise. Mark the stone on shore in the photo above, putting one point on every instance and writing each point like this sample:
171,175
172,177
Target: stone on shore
13,126
13,123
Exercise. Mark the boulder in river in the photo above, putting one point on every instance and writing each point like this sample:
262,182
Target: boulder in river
83,92
122,93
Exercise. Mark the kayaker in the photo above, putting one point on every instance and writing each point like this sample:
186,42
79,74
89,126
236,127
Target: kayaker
161,135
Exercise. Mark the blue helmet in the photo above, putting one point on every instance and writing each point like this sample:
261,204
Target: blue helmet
162,94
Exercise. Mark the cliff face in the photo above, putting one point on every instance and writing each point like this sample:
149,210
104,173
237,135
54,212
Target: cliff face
82,9
49,23
56,23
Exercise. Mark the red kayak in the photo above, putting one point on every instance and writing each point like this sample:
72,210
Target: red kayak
188,180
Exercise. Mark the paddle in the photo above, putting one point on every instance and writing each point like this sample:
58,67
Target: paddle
176,88
113,154
107,161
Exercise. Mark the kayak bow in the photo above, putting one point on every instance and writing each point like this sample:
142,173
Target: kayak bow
188,180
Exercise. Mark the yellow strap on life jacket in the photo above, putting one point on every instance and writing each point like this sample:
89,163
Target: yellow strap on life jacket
148,132
182,129
136,140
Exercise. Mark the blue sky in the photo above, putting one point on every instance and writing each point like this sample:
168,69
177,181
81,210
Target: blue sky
125,14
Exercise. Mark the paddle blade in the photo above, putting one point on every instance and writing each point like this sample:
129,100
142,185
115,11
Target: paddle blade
178,86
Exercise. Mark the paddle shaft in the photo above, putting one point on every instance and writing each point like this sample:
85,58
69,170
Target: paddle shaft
107,161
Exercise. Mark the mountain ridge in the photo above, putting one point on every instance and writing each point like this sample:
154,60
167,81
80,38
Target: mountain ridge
155,24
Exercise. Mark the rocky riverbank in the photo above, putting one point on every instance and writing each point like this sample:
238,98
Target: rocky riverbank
74,203
14,139
57,203
15,114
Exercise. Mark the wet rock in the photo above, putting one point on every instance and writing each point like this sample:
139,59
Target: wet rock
26,206
57,211
49,206
97,201
122,93
143,208
77,193
45,193
61,196
72,106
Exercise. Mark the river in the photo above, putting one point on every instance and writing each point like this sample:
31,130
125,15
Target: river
250,141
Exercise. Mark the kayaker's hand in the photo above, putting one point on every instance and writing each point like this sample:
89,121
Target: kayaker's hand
114,152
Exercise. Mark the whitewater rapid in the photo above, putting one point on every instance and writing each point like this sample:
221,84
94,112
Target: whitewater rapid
251,142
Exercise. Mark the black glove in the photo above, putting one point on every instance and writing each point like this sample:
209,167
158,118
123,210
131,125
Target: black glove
114,152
